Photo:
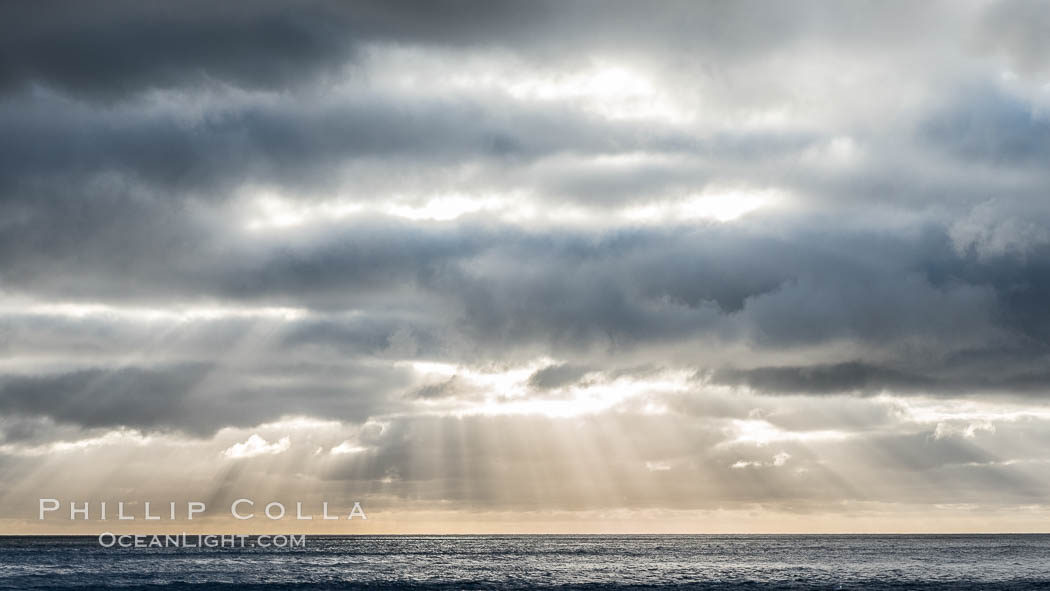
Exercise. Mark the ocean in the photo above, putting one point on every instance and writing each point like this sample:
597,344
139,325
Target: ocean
757,562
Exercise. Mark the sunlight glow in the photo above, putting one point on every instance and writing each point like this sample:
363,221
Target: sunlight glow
759,432
444,208
347,447
266,210
506,391
611,91
715,203
82,310
604,88
270,211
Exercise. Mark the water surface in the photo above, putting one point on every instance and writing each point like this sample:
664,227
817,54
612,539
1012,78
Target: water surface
545,562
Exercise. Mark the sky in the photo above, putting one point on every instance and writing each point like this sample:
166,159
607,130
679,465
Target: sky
528,267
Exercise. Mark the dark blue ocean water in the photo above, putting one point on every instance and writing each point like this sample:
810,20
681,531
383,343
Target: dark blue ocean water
544,562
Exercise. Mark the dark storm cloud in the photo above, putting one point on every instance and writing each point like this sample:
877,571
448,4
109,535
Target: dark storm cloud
821,379
208,140
115,48
556,376
124,245
199,398
942,378
38,430
290,143
120,244
497,288
648,285
397,330
447,388
990,127
95,398
133,131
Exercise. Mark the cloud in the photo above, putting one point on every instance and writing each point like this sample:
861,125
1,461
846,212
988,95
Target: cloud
257,446
1014,29
991,127
199,399
85,51
778,460
507,256
60,45
449,387
556,376
821,379
93,398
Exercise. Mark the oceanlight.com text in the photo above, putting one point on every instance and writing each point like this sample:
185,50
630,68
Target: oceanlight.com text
184,540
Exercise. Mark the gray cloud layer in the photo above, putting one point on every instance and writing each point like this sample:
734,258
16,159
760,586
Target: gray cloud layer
254,165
